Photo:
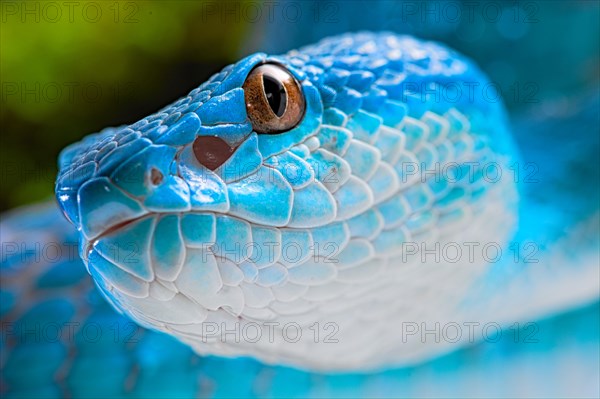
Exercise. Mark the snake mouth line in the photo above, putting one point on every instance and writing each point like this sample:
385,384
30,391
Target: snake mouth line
118,226
92,242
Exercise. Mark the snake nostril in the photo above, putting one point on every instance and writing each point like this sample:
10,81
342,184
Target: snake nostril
211,151
156,177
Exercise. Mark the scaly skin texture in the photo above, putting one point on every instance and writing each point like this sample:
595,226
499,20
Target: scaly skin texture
312,225
378,168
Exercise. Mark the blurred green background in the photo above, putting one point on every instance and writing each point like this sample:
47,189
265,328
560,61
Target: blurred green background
69,69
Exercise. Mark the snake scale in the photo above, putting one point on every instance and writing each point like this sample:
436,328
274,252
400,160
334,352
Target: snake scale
307,210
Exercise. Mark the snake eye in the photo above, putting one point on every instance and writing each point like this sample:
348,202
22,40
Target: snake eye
274,99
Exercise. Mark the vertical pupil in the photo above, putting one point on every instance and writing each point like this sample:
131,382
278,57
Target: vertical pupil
275,93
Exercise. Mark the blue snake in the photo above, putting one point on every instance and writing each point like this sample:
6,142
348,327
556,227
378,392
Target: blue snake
323,210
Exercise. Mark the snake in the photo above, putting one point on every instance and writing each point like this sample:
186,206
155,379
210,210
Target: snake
335,210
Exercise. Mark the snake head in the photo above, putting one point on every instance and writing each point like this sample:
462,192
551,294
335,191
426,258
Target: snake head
284,189
201,154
